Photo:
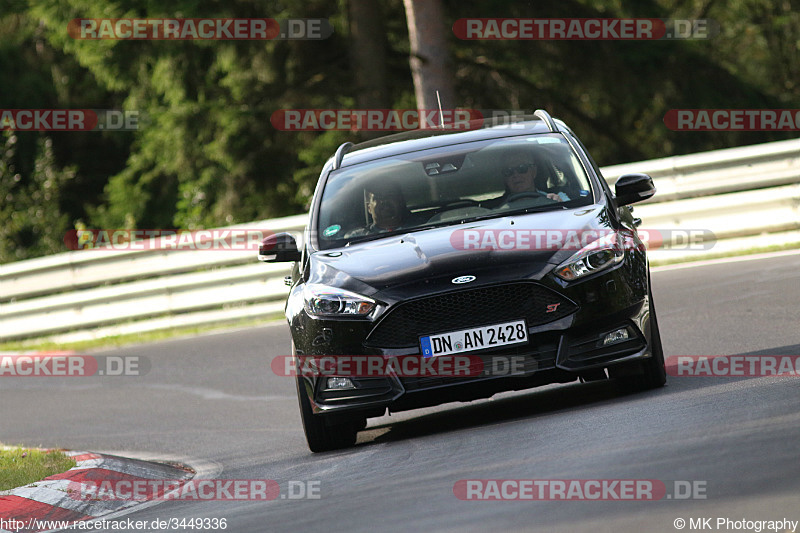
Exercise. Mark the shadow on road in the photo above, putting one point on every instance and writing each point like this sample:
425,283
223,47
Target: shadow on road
540,402
528,406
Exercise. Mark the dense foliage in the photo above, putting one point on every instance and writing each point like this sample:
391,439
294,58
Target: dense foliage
206,154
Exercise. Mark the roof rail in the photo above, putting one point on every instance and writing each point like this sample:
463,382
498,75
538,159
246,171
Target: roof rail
545,116
343,149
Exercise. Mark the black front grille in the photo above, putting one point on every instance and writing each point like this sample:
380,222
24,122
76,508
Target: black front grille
406,322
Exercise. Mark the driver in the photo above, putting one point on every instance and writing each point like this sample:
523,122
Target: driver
386,207
520,176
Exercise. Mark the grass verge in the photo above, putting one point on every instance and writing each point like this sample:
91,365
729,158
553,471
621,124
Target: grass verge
23,466
736,253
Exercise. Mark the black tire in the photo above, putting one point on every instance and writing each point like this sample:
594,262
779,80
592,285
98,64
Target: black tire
651,373
323,434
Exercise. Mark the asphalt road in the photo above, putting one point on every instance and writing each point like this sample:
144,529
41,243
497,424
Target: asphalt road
214,400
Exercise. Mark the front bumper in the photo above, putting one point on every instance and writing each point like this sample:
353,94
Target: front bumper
556,353
559,351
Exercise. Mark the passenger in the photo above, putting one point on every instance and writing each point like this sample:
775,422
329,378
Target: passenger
387,209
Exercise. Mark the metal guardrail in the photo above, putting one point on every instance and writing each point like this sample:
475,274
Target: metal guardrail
749,197
100,292
718,171
738,193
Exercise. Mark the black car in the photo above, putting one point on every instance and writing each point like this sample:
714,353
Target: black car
498,243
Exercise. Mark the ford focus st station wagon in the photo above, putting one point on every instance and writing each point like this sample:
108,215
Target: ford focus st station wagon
441,266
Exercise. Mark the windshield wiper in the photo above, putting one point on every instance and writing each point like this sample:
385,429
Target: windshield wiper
537,209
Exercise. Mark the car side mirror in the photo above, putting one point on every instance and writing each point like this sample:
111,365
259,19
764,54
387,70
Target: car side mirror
632,188
279,248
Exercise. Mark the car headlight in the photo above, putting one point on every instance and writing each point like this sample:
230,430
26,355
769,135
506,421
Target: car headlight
595,256
321,300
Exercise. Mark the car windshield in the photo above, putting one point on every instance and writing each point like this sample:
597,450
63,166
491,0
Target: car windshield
443,186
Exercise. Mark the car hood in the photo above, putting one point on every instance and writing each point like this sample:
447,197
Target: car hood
427,261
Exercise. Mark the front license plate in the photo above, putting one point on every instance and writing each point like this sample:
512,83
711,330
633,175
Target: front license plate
468,340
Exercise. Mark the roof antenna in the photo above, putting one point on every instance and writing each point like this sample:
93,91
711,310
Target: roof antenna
441,114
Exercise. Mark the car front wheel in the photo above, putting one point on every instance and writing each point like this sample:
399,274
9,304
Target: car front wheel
651,373
325,434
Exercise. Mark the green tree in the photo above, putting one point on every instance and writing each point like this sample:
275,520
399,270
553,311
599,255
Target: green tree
33,223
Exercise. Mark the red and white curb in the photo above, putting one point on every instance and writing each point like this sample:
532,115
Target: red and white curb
51,499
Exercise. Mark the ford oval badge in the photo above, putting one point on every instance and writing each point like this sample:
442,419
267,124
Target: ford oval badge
463,279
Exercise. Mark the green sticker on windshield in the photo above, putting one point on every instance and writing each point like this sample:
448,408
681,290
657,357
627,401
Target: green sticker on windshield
330,231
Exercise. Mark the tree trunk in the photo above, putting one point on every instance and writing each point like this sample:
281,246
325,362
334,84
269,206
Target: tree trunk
430,65
368,51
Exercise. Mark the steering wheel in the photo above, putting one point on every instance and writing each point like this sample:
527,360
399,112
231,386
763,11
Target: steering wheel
460,203
525,194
